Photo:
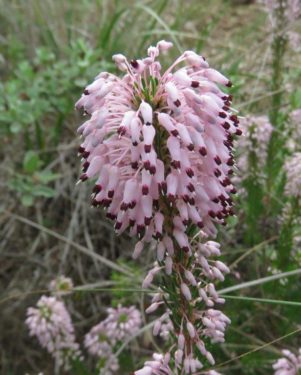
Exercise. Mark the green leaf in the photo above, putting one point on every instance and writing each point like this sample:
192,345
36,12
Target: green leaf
43,191
80,82
263,300
27,200
126,361
15,127
25,71
296,98
44,55
79,368
46,176
31,162
260,281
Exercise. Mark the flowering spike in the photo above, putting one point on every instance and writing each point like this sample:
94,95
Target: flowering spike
160,147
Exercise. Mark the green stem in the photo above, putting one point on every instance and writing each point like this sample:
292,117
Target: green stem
172,283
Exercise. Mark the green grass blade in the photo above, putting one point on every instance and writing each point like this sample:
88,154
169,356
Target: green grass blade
105,35
260,281
79,247
161,22
263,300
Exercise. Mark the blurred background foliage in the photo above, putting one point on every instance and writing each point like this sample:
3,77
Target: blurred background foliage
49,50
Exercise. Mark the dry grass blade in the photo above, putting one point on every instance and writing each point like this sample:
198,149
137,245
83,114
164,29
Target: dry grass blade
258,348
19,295
81,248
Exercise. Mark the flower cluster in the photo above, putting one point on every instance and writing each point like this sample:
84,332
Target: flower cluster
293,175
160,148
198,291
253,146
159,140
160,366
100,345
51,323
61,285
123,322
98,342
120,324
290,364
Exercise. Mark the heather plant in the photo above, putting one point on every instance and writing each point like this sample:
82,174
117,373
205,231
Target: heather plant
282,14
50,322
291,212
104,338
269,141
252,149
160,148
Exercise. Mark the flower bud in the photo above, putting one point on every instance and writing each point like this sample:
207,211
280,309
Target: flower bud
181,341
190,329
186,292
138,249
153,307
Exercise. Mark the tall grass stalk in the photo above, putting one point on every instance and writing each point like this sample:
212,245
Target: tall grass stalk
279,44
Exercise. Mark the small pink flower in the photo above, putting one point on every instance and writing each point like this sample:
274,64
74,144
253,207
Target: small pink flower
123,322
98,341
185,291
61,285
